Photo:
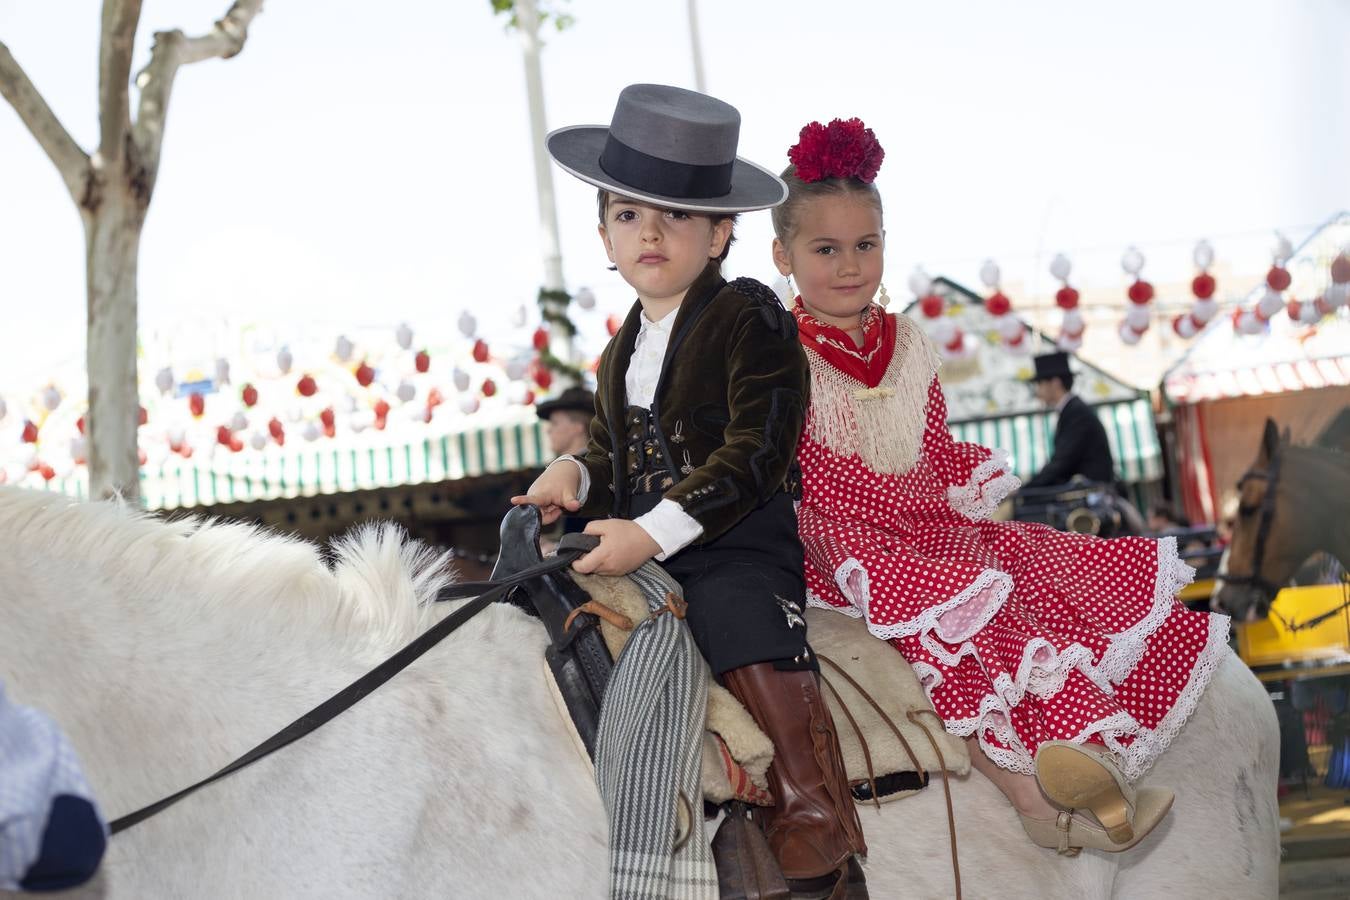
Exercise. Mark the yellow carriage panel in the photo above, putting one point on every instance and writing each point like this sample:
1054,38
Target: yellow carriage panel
1272,643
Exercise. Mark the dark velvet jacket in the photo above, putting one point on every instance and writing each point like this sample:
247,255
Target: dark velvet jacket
732,395
1081,448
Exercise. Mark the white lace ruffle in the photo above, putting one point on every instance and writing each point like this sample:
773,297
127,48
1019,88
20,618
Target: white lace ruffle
1148,745
813,599
990,579
977,499
1127,647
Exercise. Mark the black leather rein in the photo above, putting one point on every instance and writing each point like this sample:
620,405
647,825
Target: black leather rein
570,547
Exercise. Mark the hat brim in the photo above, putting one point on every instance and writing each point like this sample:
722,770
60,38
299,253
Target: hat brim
577,149
549,407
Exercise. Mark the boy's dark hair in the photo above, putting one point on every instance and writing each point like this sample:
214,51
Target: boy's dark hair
602,203
1066,380
800,192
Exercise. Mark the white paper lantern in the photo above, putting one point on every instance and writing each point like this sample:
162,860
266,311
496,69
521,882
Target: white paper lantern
403,334
518,316
1132,262
468,404
1009,328
1248,323
310,431
78,447
1204,310
919,282
1270,303
461,379
405,392
294,413
1072,323
1138,317
585,298
1203,255
468,325
176,436
238,421
284,360
164,380
1308,313
989,274
1282,251
1060,267
257,440
1128,335
342,348
1184,326
516,369
51,398
1336,295
944,331
222,371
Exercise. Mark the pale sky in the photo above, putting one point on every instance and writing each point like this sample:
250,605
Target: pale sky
371,163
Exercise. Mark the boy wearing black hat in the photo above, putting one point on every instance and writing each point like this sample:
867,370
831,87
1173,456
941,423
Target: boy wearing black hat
568,427
1080,445
700,401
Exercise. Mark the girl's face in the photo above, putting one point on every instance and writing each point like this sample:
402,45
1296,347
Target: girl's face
660,251
835,256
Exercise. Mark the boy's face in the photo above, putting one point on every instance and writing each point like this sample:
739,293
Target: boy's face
835,256
660,251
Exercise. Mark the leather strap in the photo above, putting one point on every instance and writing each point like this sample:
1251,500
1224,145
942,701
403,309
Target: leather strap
570,548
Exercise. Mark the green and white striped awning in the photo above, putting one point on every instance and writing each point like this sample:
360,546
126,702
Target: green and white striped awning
1029,437
364,461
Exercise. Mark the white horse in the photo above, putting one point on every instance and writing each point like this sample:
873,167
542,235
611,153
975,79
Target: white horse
166,649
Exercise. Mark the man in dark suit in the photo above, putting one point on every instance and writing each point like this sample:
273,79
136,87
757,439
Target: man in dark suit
1080,447
568,417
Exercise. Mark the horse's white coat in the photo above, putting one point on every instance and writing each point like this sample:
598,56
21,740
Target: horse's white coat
165,650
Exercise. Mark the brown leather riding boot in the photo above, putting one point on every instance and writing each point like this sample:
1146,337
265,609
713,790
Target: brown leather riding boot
813,828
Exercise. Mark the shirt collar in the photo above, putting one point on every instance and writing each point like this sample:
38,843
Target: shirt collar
1063,402
662,324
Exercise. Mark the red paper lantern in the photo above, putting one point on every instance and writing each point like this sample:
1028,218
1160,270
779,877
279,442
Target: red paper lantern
422,361
381,409
224,435
186,452
380,422
30,432
541,338
329,430
998,304
613,324
249,394
275,428
79,424
47,472
1140,292
957,342
327,417
528,399
1066,297
434,398
931,306
306,386
1294,308
1340,269
543,377
1278,278
236,445
141,457
480,351
489,387
141,416
196,405
364,374
1203,285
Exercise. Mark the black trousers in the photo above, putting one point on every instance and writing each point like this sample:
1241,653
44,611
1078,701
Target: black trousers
745,590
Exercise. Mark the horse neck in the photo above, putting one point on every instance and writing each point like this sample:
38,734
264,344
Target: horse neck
1318,484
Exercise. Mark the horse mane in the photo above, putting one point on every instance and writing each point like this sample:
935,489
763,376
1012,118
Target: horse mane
378,591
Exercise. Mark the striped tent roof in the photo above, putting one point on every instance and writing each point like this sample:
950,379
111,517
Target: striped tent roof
990,401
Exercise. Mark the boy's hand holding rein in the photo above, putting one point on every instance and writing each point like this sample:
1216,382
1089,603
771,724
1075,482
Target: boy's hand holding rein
624,546
554,492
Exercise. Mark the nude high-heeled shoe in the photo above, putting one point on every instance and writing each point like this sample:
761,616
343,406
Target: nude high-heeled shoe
1068,833
1077,778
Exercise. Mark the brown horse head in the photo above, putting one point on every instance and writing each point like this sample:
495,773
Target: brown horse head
1290,503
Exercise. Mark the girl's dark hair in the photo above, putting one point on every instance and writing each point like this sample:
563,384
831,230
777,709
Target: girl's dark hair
602,202
800,193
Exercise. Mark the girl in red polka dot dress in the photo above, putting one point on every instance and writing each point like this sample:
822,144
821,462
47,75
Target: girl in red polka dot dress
1064,659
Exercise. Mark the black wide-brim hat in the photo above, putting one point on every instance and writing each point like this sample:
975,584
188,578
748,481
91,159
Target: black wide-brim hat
671,148
1051,365
574,399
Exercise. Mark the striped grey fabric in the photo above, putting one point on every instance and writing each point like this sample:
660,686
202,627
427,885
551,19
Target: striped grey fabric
647,755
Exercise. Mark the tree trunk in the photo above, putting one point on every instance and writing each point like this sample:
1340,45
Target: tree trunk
112,244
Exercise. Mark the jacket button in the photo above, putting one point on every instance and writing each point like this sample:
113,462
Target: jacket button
610,486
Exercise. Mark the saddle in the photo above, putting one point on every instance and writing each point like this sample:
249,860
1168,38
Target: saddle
890,737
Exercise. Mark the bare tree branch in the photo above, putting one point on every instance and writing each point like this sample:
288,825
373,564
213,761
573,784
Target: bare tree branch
70,161
116,41
171,50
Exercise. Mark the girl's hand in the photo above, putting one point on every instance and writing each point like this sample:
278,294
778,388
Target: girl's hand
624,546
554,492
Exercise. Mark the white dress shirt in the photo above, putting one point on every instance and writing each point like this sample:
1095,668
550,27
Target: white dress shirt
668,524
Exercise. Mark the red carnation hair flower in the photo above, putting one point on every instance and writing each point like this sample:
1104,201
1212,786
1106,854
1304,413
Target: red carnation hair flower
846,148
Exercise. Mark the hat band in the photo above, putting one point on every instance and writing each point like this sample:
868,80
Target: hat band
653,175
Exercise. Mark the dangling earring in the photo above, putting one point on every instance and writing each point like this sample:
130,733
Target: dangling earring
792,291
884,298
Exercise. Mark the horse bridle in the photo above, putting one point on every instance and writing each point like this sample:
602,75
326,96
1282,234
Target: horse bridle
1271,476
570,548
